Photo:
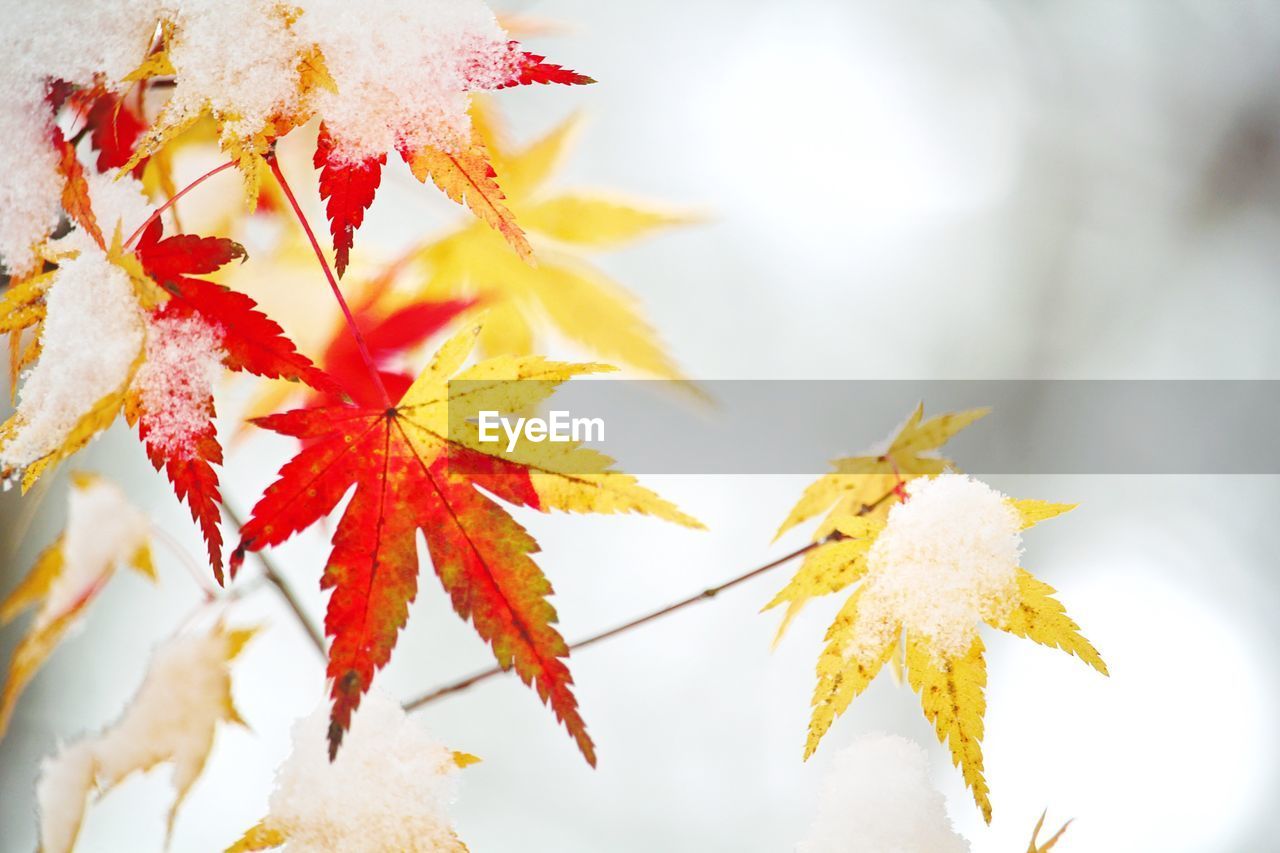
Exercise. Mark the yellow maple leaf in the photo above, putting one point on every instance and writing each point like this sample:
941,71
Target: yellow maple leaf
859,483
921,602
567,475
857,497
1035,846
172,719
104,531
22,310
467,177
828,568
562,289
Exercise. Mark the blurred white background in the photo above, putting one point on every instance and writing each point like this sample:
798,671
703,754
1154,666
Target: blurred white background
970,189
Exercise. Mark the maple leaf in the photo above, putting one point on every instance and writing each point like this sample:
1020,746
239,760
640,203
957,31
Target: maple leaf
411,473
22,308
52,425
1035,846
463,172
943,560
113,126
563,290
859,481
347,189
532,69
467,177
104,531
241,338
75,189
406,783
857,497
172,719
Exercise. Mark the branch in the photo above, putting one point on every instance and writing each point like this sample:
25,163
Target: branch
277,580
333,282
705,595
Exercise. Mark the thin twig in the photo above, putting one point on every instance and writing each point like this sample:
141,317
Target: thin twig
705,595
333,282
198,572
277,580
155,214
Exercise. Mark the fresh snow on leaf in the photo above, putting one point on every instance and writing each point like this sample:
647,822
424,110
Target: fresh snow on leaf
172,720
68,40
183,361
390,788
394,76
403,69
119,204
946,561
929,556
877,798
104,531
90,300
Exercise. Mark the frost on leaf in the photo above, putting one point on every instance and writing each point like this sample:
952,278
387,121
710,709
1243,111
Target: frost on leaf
944,561
411,473
391,788
876,797
104,531
172,719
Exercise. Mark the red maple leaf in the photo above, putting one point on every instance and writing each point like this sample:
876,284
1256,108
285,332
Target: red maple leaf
482,556
388,338
113,127
465,175
251,341
532,69
347,189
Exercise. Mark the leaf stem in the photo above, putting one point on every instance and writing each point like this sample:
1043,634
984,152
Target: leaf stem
705,595
155,214
333,282
277,580
183,556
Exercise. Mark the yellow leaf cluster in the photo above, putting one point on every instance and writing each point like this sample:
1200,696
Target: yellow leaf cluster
950,686
562,289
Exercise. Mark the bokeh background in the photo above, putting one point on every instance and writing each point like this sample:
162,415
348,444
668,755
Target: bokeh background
969,189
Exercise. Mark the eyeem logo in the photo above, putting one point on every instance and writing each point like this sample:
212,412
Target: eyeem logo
558,428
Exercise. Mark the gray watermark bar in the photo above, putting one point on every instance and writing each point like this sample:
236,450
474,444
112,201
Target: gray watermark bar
797,427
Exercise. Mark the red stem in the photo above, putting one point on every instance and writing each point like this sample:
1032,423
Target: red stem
333,282
155,214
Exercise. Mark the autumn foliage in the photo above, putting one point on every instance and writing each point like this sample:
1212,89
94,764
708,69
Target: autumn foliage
95,247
